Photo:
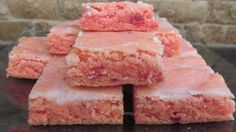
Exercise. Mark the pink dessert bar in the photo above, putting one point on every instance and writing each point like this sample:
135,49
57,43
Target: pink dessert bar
52,101
118,16
171,42
62,37
191,92
113,58
184,100
174,44
28,58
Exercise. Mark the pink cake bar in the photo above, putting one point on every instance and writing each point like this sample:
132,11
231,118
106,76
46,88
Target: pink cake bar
113,58
204,98
191,92
171,42
118,16
52,101
174,44
62,37
28,58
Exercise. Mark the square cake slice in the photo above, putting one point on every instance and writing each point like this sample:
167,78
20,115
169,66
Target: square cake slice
171,42
62,37
113,58
54,102
118,16
28,58
174,44
187,95
191,92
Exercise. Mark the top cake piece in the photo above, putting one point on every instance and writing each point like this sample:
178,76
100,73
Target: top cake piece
118,16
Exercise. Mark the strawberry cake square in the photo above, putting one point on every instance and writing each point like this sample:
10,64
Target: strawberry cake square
113,58
191,92
171,42
186,101
187,95
62,37
28,58
118,16
53,101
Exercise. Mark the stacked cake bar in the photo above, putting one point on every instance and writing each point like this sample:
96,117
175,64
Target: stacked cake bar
28,58
114,58
119,16
62,37
81,66
53,101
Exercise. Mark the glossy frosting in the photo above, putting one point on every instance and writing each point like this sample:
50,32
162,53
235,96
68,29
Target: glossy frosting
123,41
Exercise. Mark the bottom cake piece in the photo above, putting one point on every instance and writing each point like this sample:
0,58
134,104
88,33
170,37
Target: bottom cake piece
52,101
191,92
184,100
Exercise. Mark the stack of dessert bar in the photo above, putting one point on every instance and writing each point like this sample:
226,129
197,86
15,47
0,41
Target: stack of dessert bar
81,66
